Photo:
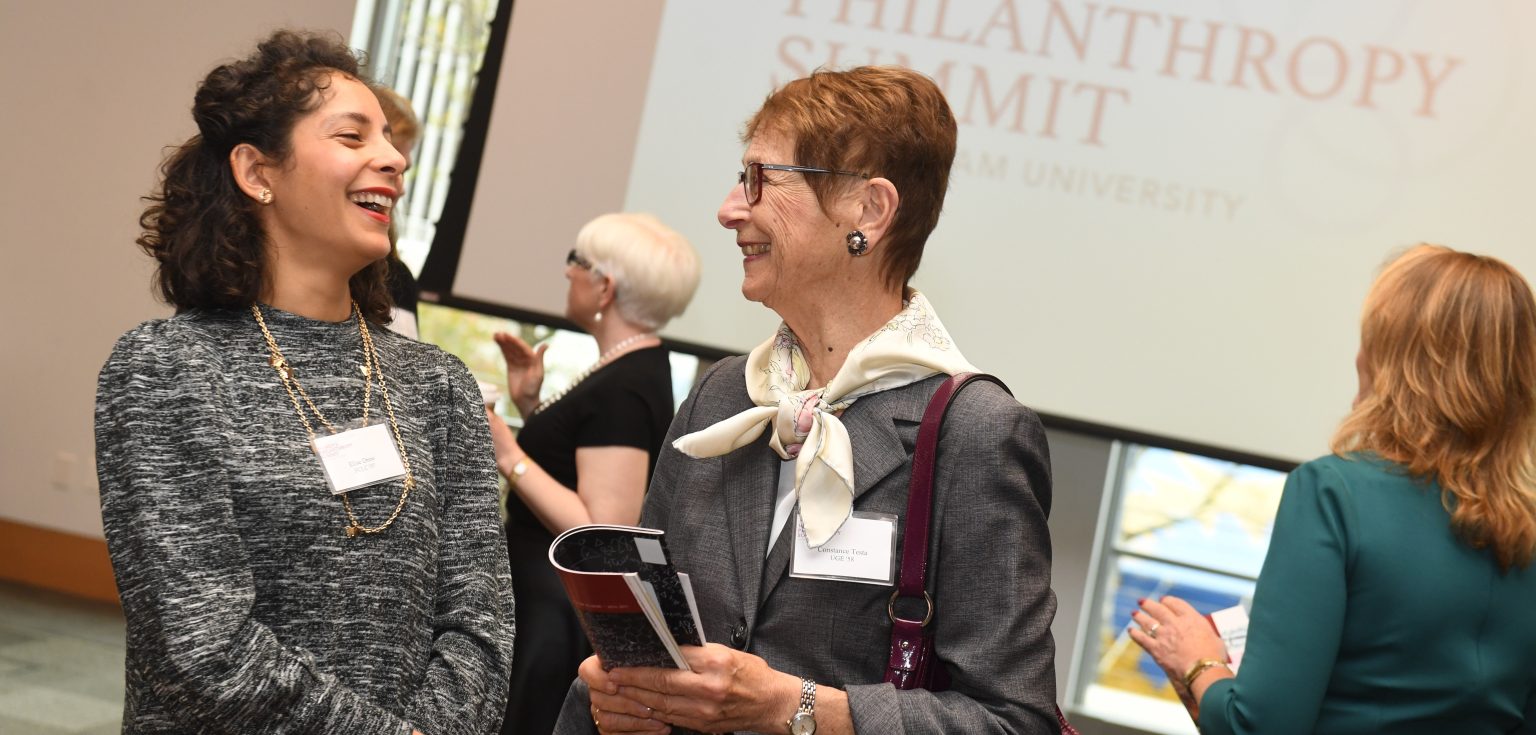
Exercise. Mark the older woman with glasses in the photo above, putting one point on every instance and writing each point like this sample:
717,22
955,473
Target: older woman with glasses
585,452
786,463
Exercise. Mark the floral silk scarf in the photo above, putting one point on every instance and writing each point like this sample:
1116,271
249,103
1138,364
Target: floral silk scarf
911,347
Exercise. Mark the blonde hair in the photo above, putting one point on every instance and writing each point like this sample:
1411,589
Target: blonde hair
403,122
655,271
1448,348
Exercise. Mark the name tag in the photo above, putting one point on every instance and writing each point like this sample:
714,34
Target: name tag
863,550
359,457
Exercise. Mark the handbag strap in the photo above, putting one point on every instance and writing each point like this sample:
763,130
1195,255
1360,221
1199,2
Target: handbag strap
914,546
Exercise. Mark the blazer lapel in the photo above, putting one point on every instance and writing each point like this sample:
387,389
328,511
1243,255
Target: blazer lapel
777,561
751,475
876,426
878,449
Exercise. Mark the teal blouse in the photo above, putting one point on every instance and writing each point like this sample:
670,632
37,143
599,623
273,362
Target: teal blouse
1370,616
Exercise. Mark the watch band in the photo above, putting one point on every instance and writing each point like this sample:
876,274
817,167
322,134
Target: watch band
804,720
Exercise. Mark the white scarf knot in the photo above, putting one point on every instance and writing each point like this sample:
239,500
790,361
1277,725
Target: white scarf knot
911,347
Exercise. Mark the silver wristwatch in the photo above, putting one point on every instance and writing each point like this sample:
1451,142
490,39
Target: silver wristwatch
804,721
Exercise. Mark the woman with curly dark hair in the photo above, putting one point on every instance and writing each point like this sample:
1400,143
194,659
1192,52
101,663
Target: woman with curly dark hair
300,504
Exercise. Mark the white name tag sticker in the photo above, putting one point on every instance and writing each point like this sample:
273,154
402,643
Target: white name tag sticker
359,457
863,550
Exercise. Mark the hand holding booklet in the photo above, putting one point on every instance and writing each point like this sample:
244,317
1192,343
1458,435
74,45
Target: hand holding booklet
634,606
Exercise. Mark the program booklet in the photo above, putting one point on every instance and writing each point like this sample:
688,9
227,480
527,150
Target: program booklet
1232,625
634,606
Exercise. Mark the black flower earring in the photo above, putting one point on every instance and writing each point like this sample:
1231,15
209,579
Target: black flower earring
858,244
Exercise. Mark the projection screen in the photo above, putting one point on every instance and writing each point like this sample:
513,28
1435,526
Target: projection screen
1163,216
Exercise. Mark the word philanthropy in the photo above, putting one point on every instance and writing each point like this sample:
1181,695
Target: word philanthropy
1109,187
1111,43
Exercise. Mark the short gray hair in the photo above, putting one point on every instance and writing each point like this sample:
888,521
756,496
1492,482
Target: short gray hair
655,271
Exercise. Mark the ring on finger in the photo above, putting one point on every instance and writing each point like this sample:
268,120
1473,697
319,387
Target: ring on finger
1152,631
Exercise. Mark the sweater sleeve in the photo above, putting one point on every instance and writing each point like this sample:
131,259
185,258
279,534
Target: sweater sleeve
182,568
465,690
1298,614
990,570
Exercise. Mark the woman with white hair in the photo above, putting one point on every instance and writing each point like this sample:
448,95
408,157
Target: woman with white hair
585,453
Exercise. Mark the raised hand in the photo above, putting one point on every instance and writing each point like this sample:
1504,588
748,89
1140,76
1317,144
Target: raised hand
525,370
1178,637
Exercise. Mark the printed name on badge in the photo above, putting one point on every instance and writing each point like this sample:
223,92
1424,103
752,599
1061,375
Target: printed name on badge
359,457
863,550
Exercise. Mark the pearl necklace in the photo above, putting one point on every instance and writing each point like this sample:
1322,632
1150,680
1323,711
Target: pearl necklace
602,360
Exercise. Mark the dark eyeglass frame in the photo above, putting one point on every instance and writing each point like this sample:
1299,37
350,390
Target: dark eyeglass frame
751,178
572,258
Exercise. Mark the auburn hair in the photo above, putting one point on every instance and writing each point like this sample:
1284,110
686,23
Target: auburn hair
1448,352
885,121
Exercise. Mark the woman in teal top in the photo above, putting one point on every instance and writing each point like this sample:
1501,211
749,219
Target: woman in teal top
1397,595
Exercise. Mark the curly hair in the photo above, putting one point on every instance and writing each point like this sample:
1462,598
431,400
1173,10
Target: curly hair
1448,361
885,121
199,226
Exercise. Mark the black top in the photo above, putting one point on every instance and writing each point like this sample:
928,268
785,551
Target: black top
402,285
626,403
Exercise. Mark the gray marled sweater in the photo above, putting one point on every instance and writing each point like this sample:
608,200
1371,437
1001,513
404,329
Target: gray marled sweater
248,609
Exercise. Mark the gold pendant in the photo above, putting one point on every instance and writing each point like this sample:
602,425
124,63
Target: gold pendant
363,369
351,531
282,366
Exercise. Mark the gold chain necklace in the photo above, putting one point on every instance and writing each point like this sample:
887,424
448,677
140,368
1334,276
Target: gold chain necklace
372,368
603,359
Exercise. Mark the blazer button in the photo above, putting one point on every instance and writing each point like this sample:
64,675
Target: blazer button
739,635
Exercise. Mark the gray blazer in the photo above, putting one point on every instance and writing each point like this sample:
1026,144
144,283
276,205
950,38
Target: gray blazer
989,569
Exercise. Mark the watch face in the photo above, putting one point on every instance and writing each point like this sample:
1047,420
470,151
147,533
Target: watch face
803,723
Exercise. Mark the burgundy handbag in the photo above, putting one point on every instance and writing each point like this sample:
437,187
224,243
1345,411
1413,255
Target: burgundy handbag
913,663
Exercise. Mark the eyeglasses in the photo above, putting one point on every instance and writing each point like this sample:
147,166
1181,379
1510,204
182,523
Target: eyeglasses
572,258
751,179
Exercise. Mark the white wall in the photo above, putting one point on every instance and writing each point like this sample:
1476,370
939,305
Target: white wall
92,92
1079,468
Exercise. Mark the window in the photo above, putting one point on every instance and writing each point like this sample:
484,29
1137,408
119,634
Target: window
429,51
468,335
1175,524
